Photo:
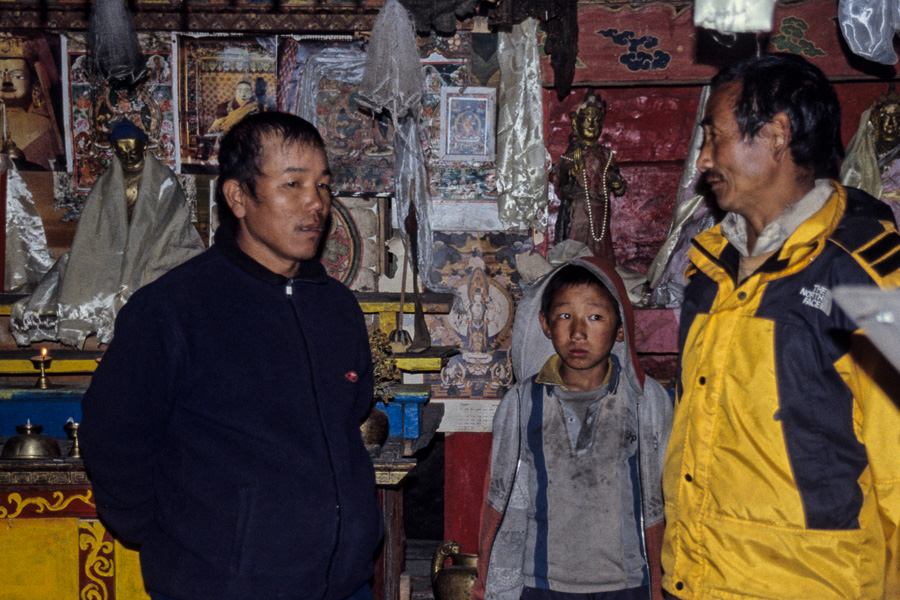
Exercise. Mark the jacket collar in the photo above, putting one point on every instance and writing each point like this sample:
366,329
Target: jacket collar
310,271
712,252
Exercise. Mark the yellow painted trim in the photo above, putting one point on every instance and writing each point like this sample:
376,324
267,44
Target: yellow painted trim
16,366
418,365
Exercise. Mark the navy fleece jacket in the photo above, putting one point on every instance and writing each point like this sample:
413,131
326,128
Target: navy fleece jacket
221,432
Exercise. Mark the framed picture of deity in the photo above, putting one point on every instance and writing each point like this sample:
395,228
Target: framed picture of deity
222,79
468,117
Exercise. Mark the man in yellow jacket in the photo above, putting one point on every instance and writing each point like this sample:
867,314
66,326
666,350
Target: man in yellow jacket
782,477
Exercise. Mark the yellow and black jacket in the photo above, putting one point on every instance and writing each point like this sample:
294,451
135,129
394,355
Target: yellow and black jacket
782,477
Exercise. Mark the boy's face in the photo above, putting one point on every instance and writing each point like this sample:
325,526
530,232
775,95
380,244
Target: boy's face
581,323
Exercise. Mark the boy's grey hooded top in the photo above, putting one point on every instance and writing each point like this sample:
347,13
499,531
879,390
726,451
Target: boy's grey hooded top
502,562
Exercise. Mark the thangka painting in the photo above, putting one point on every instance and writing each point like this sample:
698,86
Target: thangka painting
222,80
355,250
448,63
359,144
31,101
482,270
468,123
96,107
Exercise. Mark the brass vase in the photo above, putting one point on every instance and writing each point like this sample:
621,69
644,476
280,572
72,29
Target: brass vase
456,580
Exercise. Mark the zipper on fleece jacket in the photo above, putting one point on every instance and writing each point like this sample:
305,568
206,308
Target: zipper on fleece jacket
289,293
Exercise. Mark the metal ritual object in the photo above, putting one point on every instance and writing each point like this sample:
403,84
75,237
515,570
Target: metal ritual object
400,339
452,582
421,337
42,362
30,444
71,429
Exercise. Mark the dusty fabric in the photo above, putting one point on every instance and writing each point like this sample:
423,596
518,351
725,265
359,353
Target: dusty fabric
869,27
110,258
521,154
27,257
690,216
393,81
511,494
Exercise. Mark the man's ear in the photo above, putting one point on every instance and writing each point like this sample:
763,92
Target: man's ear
781,135
620,334
236,197
544,325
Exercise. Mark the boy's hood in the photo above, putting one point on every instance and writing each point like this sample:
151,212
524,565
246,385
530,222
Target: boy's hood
530,348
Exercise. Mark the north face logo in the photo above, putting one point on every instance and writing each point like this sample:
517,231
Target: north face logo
818,297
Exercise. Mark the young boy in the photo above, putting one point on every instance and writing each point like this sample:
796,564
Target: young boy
574,505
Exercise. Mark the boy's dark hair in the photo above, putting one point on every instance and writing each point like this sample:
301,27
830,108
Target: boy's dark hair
574,275
788,83
242,150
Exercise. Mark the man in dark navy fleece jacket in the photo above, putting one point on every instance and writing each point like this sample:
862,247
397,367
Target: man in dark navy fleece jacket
221,430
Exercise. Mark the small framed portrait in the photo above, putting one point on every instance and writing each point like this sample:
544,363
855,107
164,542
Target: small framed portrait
468,117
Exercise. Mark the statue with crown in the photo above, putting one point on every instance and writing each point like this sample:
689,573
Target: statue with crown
583,177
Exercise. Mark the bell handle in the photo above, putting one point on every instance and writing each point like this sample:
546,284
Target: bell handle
441,553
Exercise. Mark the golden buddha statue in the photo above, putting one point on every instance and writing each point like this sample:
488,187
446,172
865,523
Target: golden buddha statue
583,177
130,151
28,134
885,118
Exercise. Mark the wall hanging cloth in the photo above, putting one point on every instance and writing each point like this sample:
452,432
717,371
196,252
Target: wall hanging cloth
439,14
734,16
860,166
691,215
521,153
110,258
113,42
394,81
559,21
27,255
869,27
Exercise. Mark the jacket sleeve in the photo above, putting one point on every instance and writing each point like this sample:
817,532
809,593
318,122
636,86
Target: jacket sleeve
124,415
876,387
498,482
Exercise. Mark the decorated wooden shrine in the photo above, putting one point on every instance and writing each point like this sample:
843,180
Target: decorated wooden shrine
641,65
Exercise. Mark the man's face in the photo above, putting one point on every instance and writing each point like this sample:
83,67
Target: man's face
581,323
131,152
243,93
738,170
286,219
15,82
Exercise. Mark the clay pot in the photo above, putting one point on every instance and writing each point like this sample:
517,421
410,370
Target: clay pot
375,429
453,582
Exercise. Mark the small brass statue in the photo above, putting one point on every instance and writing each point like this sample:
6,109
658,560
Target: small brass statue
583,177
885,117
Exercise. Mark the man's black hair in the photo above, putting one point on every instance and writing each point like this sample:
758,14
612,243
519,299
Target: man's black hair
242,149
575,275
788,83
